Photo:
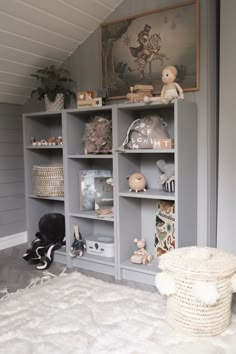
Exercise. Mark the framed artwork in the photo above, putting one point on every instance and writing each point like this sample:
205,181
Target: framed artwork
135,50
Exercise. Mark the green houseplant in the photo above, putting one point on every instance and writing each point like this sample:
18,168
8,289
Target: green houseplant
56,87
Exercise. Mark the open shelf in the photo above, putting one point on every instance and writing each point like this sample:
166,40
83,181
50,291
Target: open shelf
60,199
149,194
91,215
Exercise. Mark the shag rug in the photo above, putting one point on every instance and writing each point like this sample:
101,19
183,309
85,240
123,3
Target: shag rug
73,314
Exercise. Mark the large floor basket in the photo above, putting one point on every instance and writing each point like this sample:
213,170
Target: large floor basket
48,180
199,283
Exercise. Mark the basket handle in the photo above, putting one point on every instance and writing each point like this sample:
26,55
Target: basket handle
165,283
205,292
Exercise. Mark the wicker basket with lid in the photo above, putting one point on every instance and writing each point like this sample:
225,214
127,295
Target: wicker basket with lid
48,180
199,283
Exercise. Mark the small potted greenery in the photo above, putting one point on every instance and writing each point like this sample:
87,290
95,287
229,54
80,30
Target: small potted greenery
55,87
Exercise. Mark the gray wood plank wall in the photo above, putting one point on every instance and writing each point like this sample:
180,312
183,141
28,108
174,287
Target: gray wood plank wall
12,200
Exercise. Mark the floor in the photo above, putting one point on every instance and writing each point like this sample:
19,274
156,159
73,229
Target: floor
16,273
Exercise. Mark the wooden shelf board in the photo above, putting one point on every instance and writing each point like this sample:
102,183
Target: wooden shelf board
149,194
60,199
97,259
91,215
102,156
30,147
150,268
147,151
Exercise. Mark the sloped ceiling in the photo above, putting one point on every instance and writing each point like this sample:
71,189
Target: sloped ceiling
37,33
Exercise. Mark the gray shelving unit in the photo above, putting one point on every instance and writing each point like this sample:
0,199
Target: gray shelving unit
135,213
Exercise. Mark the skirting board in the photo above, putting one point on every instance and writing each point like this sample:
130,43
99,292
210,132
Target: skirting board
13,240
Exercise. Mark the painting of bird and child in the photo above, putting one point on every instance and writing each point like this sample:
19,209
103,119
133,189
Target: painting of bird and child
136,49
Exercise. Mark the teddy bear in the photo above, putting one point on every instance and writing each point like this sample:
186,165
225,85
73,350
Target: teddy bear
140,256
170,89
168,170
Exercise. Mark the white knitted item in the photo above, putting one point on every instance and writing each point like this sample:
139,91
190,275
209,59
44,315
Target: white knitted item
165,284
204,280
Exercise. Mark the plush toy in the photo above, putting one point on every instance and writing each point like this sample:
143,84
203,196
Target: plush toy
137,182
51,236
170,89
140,256
167,169
52,141
78,246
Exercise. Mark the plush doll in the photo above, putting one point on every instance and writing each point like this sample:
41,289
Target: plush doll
170,89
140,256
51,236
78,246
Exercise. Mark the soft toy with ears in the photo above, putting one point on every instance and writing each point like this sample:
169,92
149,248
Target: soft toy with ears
168,170
141,255
170,89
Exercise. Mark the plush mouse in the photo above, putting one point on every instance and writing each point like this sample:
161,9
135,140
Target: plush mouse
170,89
141,255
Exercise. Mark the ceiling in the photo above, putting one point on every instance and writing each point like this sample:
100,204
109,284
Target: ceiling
38,33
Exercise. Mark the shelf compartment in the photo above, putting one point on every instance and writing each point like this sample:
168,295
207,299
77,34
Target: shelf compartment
75,126
149,194
42,126
90,156
145,164
74,167
91,215
36,208
59,199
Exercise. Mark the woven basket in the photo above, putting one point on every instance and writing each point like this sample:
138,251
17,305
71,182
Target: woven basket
56,105
199,283
48,180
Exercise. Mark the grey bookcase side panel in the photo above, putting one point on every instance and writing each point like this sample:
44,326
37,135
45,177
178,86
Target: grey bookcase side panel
186,173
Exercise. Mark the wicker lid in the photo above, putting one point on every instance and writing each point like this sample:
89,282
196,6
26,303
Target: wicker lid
49,166
199,261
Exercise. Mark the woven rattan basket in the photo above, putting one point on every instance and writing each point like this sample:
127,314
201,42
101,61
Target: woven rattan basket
199,283
48,180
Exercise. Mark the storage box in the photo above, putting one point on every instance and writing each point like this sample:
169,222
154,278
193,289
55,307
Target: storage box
48,180
100,245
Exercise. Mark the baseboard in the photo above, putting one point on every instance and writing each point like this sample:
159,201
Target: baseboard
13,240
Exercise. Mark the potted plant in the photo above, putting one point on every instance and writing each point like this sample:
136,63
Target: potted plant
55,87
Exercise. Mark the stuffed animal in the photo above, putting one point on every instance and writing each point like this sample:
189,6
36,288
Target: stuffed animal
140,256
170,89
137,182
167,169
51,236
78,246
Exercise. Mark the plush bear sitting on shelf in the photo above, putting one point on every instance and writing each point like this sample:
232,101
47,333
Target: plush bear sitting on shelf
141,256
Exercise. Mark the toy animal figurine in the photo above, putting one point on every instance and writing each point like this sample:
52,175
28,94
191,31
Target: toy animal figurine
137,182
141,256
138,92
170,89
52,141
78,246
59,140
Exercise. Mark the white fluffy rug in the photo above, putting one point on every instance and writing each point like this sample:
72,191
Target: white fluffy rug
73,314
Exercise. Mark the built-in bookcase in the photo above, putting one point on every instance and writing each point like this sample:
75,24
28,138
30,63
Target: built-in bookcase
134,213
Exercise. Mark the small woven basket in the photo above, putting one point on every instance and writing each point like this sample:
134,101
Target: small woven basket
199,283
48,180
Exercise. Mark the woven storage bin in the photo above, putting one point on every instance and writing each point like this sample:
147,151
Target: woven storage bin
48,180
199,283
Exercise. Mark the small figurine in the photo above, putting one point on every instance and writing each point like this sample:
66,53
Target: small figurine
43,142
59,140
78,246
52,141
137,182
170,89
138,92
141,256
33,141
